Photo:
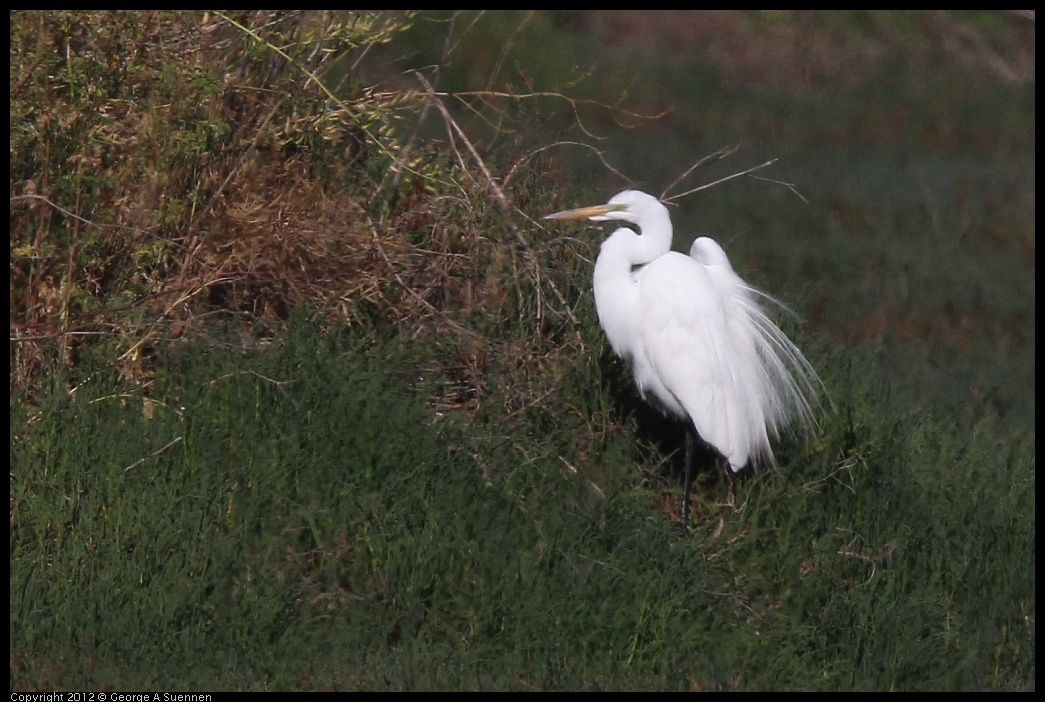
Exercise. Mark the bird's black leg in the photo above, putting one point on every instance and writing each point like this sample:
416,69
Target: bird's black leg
687,477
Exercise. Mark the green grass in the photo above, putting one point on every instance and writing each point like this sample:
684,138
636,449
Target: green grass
313,526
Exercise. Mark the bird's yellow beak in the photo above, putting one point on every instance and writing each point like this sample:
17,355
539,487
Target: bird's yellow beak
587,212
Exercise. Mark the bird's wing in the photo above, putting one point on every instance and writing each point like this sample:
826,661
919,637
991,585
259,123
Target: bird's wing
788,386
702,355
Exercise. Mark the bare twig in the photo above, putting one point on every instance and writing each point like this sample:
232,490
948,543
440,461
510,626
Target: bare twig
278,383
45,337
723,180
153,454
848,551
498,195
724,152
28,74
77,217
437,75
193,292
574,103
789,186
81,329
843,466
535,152
410,291
235,168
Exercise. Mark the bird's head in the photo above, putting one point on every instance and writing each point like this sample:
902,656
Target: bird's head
632,206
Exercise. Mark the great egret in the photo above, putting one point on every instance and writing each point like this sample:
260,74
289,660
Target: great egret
697,337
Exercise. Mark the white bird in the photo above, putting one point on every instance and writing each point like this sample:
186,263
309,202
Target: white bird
699,341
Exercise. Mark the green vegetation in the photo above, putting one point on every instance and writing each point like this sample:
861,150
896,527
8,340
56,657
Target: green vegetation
301,397
265,527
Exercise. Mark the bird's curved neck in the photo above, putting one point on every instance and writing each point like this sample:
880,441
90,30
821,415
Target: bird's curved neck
653,241
619,257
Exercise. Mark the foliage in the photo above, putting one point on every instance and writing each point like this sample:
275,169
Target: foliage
169,164
254,526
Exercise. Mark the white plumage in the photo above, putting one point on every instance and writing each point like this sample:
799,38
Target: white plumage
697,337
